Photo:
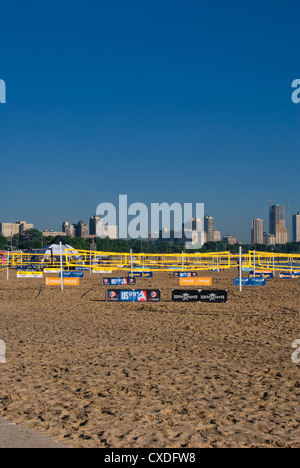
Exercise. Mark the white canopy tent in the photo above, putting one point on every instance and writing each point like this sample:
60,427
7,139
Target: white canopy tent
53,249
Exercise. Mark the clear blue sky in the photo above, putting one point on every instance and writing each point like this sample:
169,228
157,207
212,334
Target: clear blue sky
186,101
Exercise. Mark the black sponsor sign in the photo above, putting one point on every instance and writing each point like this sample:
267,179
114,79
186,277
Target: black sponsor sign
215,295
180,295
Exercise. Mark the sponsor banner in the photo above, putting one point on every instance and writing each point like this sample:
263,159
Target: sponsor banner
51,270
30,274
27,267
185,274
67,281
72,274
133,295
284,275
266,275
263,271
103,272
215,295
82,268
118,281
246,270
180,295
250,281
195,281
140,274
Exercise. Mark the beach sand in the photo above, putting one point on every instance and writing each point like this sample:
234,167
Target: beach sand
91,374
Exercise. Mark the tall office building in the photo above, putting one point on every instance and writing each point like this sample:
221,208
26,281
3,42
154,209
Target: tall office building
209,227
296,227
257,233
81,230
93,225
277,224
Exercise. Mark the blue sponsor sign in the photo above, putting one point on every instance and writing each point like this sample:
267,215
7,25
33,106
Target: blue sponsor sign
262,275
72,274
288,275
140,274
250,281
185,274
82,268
133,295
118,281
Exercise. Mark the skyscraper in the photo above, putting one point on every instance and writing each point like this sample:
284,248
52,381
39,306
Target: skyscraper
209,227
93,225
296,227
257,233
277,224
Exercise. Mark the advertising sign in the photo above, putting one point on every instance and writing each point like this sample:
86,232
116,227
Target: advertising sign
140,274
51,270
30,274
72,274
195,281
216,295
250,281
284,275
266,275
180,295
67,281
185,274
118,281
133,295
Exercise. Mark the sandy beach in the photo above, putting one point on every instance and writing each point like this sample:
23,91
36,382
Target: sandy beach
94,374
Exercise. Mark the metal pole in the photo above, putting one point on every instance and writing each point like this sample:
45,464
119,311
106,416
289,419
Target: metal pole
7,273
254,263
240,268
61,267
131,261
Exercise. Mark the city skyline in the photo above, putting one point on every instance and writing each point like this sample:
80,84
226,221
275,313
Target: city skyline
277,232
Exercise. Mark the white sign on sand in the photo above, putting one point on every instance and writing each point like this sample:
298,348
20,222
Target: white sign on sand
2,352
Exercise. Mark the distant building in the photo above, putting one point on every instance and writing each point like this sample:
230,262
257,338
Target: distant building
230,240
269,239
11,229
97,228
209,227
93,225
296,227
68,229
277,224
52,233
81,230
217,236
257,232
